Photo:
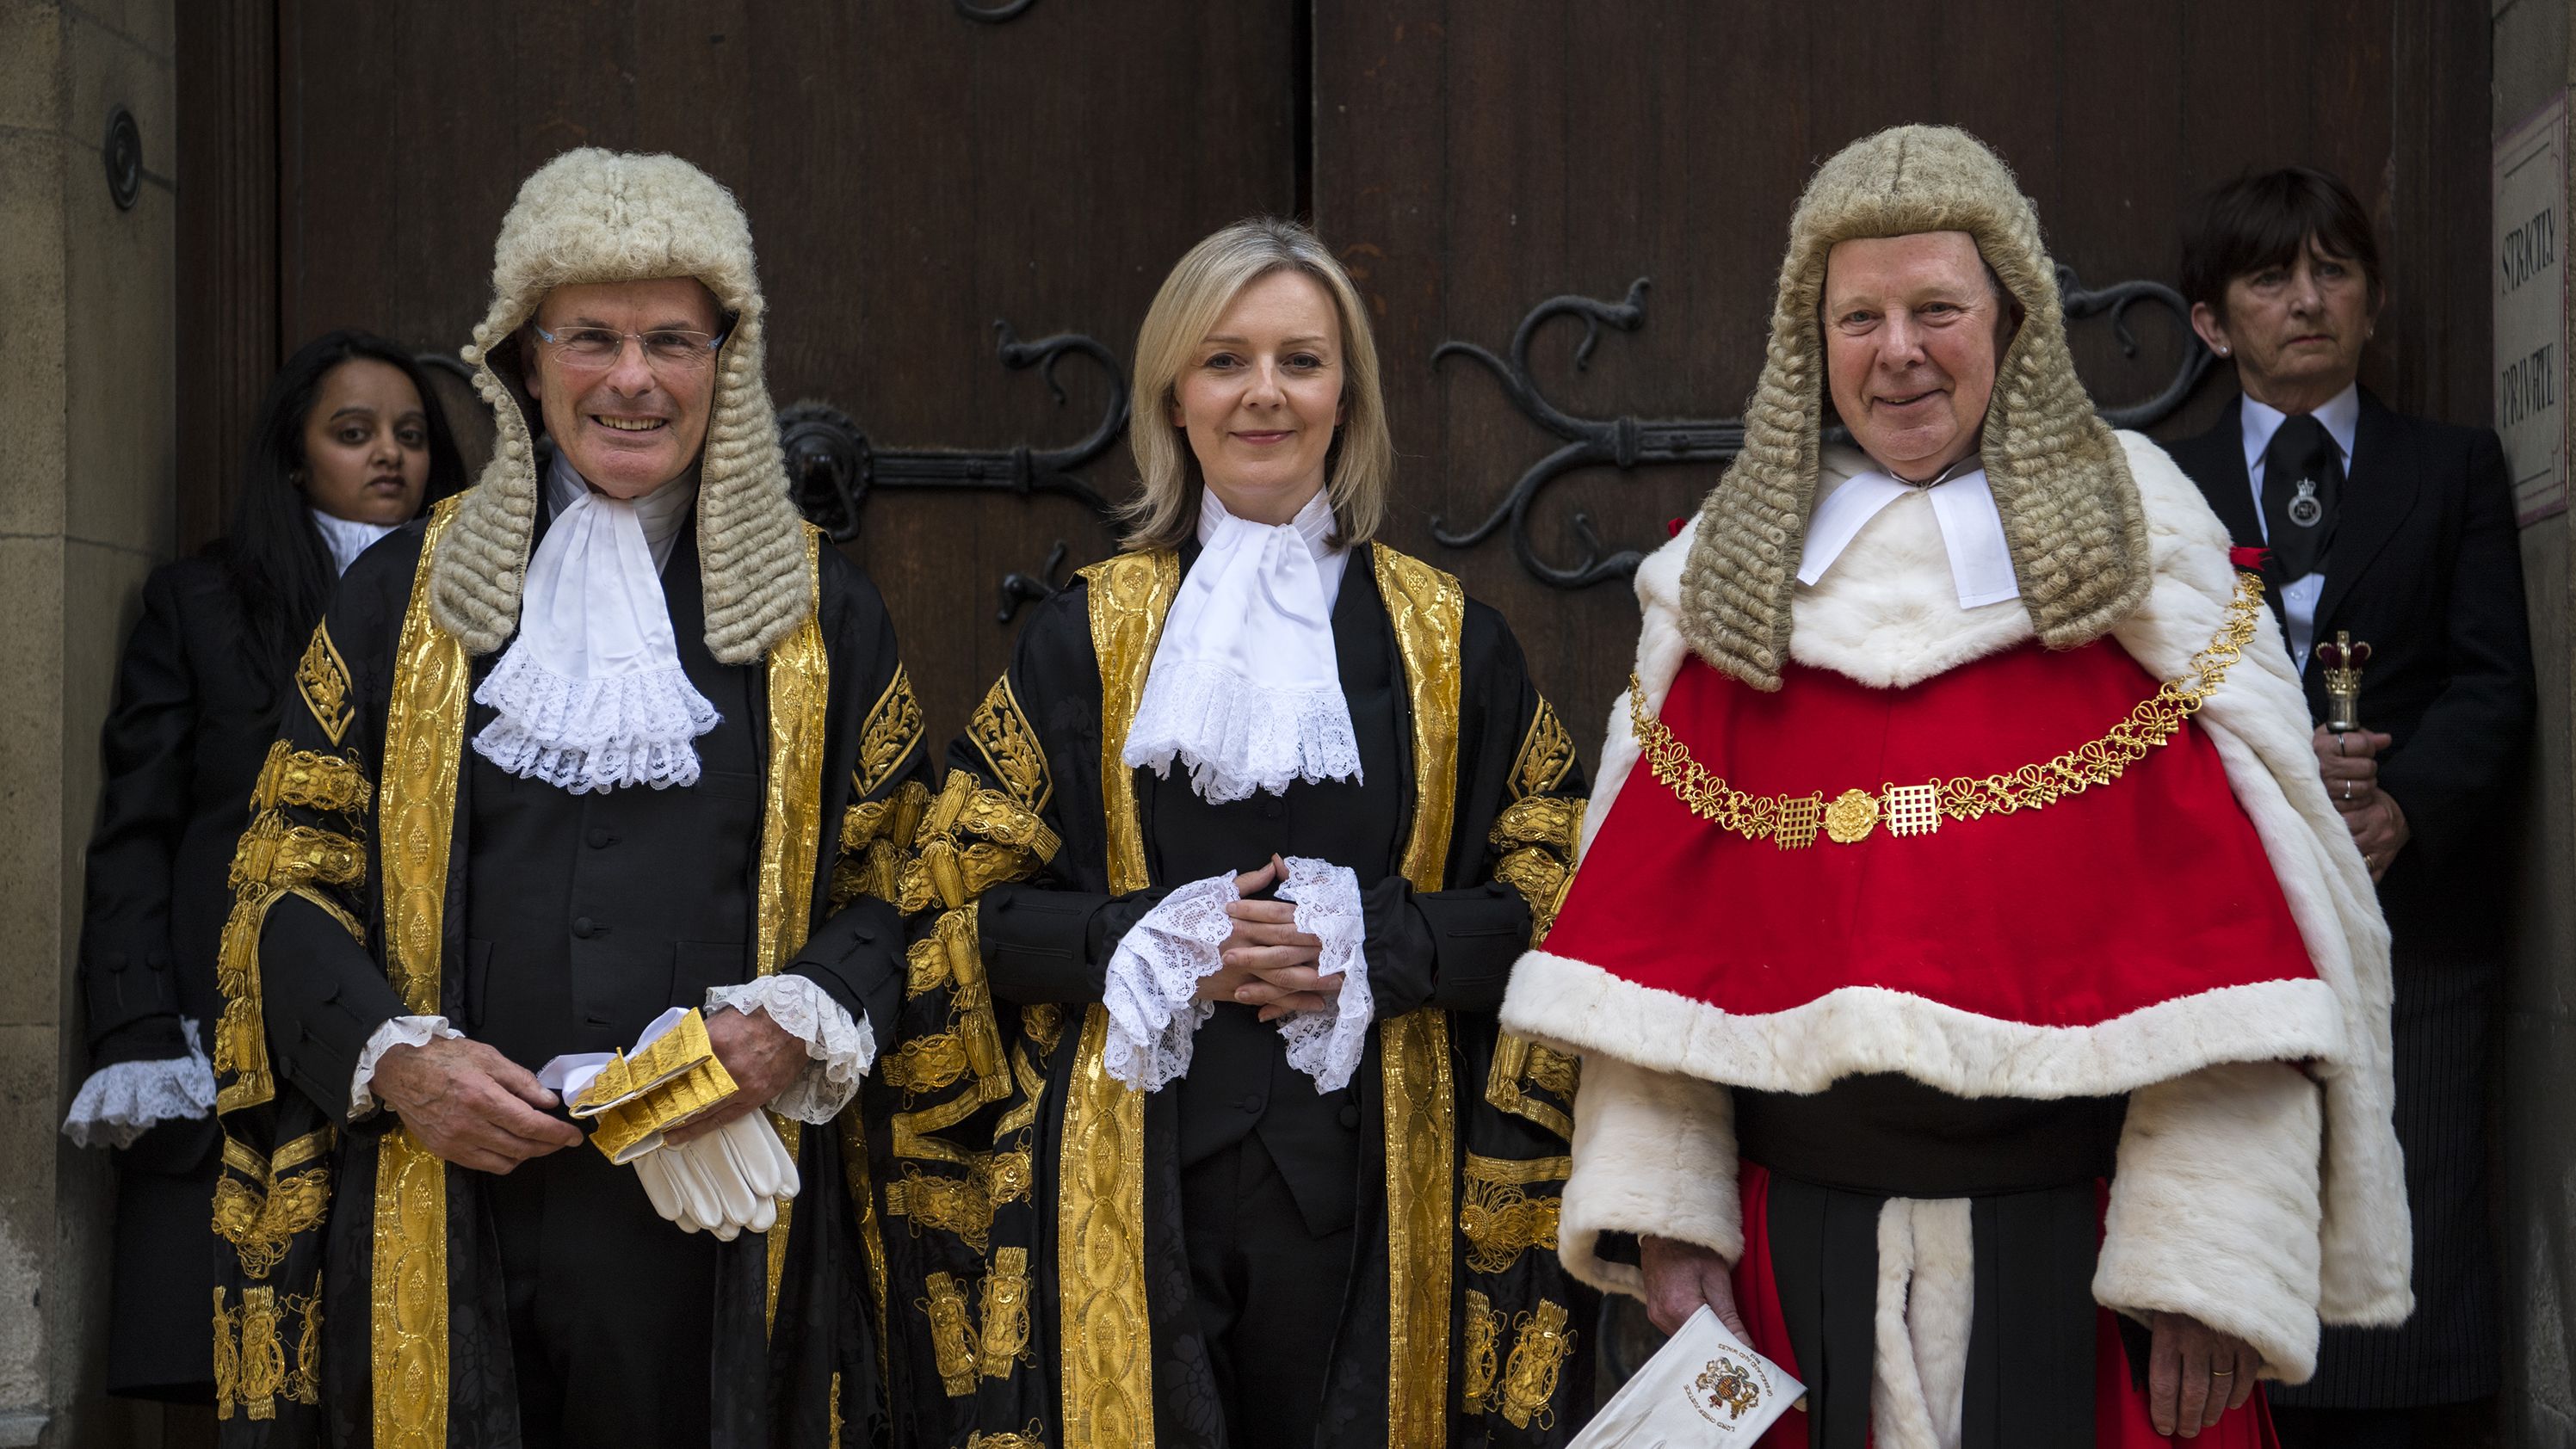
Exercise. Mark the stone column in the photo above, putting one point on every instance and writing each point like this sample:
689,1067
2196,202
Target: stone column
2537,1087
88,463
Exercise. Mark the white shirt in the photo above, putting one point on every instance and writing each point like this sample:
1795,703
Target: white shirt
2342,418
347,538
1972,528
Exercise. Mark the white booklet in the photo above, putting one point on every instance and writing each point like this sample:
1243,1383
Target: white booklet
1702,1387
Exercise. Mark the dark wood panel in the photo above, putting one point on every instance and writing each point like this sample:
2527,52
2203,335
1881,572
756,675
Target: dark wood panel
227,334
911,177
1475,158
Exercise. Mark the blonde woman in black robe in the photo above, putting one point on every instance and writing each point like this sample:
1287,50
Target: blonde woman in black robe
1201,1131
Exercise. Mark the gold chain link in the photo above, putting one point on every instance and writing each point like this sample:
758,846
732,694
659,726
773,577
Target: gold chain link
1791,821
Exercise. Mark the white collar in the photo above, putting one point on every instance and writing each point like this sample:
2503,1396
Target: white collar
346,538
1972,528
591,694
2341,414
1314,524
1245,688
661,511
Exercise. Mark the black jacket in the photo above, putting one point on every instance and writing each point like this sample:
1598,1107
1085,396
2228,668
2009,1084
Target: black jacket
2426,567
191,723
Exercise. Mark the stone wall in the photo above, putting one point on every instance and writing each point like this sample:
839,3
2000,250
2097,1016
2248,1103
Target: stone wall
88,473
2533,59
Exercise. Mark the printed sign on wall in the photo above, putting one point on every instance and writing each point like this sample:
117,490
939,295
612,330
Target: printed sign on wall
2530,281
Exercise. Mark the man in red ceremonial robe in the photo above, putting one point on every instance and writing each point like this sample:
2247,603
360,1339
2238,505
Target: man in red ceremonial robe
1982,1006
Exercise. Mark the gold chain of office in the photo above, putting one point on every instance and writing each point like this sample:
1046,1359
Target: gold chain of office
1791,822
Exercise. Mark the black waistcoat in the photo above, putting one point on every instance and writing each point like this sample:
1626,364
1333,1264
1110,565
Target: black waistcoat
587,915
1239,1080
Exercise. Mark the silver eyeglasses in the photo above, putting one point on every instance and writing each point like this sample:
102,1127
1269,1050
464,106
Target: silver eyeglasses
664,347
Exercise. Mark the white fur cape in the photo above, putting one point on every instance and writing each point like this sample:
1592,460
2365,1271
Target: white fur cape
2255,1199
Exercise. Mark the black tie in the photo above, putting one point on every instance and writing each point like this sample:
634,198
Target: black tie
2302,482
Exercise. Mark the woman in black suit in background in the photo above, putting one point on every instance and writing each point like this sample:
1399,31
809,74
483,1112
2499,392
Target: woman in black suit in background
2398,532
350,444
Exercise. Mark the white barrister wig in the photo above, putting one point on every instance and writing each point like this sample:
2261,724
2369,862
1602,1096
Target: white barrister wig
592,216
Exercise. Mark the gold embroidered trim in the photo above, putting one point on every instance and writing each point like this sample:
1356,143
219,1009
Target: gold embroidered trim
1529,1379
893,728
1500,1221
322,679
1520,1064
313,780
1024,1114
876,836
1483,1356
262,1209
416,820
304,1381
1546,754
1043,1024
924,1064
1100,1250
241,1033
1006,1312
913,1130
1428,609
1790,821
1107,1371
951,1347
963,1206
227,1357
1033,1438
1000,730
1011,842
275,854
942,956
791,829
263,1355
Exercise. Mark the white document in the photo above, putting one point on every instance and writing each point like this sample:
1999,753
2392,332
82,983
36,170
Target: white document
1703,1387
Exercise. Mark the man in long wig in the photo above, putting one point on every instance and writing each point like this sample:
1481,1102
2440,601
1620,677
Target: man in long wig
1979,999
607,742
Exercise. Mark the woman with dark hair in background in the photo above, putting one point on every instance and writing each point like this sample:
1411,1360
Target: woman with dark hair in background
350,444
2397,532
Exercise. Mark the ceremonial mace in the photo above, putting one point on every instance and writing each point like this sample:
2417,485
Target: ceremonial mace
2343,660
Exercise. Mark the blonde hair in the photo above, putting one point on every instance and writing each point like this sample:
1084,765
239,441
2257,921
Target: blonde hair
1359,469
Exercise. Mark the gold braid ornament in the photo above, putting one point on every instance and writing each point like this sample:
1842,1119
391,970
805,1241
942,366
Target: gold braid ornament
1791,821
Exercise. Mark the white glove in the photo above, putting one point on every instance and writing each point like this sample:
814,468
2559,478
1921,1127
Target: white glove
728,1180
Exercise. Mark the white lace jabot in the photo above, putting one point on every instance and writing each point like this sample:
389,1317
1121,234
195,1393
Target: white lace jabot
1245,688
591,693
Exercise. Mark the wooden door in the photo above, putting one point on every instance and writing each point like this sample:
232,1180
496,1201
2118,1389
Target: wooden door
918,170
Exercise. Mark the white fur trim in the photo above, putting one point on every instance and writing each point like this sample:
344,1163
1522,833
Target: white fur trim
2214,1209
2258,722
1653,1153
1887,613
1860,1029
1926,1297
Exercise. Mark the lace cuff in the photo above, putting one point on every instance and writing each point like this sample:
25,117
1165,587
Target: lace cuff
119,1103
1327,1045
842,1047
397,1031
1152,982
1237,736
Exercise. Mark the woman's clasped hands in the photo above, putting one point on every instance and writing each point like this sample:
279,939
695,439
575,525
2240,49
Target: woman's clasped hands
1268,962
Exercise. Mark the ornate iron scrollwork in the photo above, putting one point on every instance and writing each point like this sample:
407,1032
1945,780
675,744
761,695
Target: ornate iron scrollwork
1627,443
993,14
833,468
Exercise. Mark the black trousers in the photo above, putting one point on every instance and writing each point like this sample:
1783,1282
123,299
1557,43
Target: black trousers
611,1308
1268,1292
2413,1428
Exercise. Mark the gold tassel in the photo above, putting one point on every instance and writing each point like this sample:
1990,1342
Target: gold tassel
227,1358
263,1357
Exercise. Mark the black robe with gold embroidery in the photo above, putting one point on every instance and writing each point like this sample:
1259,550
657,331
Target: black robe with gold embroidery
1032,1202
362,1296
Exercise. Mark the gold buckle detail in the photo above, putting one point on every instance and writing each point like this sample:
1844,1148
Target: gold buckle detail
1799,816
1913,809
1852,816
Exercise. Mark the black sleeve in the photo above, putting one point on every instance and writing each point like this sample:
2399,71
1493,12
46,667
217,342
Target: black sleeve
856,955
2468,744
305,871
324,996
125,961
